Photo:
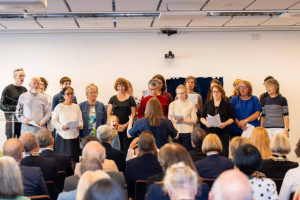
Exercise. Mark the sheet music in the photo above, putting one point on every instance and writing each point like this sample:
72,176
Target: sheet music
72,124
193,98
180,117
146,93
213,121
247,133
32,123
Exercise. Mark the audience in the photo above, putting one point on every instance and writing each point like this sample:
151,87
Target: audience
231,185
261,140
170,154
33,159
10,180
212,166
104,134
236,142
88,139
278,164
291,179
32,177
104,189
46,143
141,168
248,160
197,138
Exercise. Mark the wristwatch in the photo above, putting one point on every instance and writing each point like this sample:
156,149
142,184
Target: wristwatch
287,129
246,121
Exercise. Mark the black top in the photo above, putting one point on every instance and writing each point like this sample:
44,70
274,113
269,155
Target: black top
122,109
155,179
10,97
116,155
262,96
197,154
276,169
225,110
63,161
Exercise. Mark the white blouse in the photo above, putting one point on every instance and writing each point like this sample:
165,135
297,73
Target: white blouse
290,183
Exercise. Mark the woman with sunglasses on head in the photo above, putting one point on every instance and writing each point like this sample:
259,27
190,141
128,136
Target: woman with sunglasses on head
246,108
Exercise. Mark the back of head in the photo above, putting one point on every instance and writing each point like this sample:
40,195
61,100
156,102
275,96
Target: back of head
146,143
13,148
180,179
29,141
280,144
231,185
197,136
261,140
212,143
104,133
297,150
236,142
153,112
90,164
247,158
94,149
104,189
88,139
44,137
10,178
87,179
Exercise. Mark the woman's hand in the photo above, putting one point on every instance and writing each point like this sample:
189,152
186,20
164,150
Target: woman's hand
244,128
65,128
79,127
222,125
120,128
134,143
242,123
178,120
197,106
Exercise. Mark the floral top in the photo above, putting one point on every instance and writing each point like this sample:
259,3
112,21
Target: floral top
92,122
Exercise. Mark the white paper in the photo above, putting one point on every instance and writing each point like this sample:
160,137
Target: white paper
247,133
178,117
32,123
193,98
213,121
72,124
146,93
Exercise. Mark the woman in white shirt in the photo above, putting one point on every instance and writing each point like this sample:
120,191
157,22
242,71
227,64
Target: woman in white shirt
67,139
186,109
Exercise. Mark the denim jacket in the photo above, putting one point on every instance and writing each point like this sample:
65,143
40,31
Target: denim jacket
101,116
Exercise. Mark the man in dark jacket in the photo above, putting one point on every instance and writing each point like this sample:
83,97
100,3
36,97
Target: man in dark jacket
197,138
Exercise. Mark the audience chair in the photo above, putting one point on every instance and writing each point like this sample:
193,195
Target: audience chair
62,177
52,190
140,189
278,182
209,182
40,197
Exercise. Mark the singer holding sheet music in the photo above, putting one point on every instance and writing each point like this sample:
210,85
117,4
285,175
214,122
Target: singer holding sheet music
67,139
219,105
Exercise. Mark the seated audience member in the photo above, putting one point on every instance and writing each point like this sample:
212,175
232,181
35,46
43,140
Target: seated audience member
236,142
133,150
141,168
153,86
248,160
155,122
265,94
46,143
197,138
261,140
212,166
32,177
33,159
104,134
231,185
104,189
170,154
10,180
291,179
88,139
181,182
278,164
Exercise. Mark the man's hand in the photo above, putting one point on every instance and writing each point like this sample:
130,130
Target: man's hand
134,143
26,122
40,124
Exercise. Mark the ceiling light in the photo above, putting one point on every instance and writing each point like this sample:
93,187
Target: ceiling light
23,4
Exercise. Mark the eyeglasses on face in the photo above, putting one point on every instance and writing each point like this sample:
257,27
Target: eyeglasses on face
243,87
70,94
152,89
216,92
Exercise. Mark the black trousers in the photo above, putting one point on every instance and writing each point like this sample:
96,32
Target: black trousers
9,126
224,137
185,140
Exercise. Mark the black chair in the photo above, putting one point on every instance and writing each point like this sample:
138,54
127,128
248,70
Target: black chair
52,190
209,182
40,197
292,195
140,189
278,182
62,177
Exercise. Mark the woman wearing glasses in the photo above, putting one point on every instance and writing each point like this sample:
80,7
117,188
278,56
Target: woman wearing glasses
246,108
67,139
219,105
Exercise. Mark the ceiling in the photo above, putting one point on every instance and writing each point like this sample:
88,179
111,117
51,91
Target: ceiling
220,14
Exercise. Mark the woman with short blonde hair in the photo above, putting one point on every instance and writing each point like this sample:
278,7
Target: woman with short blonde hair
260,139
236,142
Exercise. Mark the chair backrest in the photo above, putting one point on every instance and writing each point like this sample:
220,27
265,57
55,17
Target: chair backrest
40,197
62,177
278,182
292,195
52,190
140,189
209,182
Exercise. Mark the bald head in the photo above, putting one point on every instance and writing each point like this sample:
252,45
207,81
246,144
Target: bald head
13,148
29,142
94,149
231,185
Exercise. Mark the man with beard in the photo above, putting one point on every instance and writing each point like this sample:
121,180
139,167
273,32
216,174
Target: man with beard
35,108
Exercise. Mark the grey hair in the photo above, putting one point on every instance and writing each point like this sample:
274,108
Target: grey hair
153,83
90,164
94,149
197,136
35,78
104,133
17,70
44,138
10,178
30,143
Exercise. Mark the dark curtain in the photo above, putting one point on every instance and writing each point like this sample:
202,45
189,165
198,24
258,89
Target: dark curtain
202,87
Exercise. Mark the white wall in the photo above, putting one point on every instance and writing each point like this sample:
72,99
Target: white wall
100,58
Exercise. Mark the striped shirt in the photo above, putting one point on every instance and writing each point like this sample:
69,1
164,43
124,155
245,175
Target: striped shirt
273,110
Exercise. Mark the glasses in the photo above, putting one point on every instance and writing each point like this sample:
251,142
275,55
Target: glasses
93,93
243,87
152,89
216,92
70,94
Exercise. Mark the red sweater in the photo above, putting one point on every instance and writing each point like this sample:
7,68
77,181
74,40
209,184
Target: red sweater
163,101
